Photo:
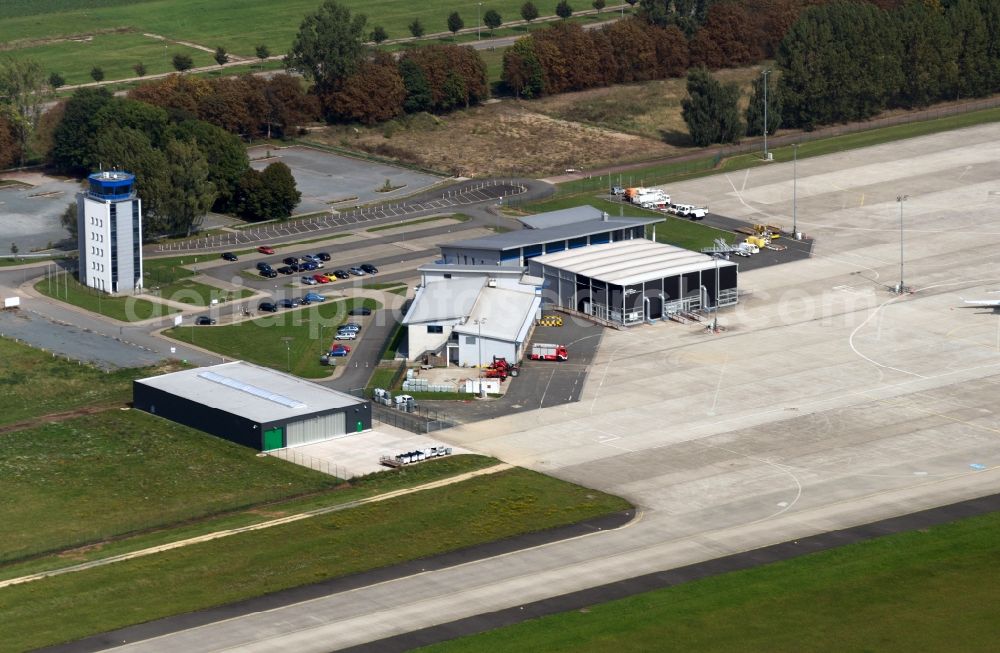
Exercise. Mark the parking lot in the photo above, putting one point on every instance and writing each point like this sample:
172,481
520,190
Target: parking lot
328,180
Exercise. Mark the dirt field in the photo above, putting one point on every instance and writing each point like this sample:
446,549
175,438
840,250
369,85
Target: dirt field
541,137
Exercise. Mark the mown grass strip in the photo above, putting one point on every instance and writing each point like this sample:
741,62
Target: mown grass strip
475,511
66,288
927,590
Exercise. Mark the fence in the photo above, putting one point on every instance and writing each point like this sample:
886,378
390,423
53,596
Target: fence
422,420
471,193
318,464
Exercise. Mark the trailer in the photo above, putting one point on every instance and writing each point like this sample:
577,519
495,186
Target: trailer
547,352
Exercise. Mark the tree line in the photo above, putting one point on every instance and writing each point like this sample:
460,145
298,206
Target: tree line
183,166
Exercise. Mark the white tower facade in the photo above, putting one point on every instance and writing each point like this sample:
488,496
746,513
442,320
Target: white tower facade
109,229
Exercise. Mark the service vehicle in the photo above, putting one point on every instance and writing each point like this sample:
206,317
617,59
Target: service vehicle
546,352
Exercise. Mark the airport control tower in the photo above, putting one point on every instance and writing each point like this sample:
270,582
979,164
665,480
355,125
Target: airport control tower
109,221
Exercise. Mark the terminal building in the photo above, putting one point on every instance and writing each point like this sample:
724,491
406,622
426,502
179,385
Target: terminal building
633,281
251,405
109,233
546,233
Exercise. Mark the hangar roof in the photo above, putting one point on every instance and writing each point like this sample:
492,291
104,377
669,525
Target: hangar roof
257,393
629,262
507,314
561,217
526,237
444,299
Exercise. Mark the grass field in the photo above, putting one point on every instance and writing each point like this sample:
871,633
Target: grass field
93,477
221,571
457,217
34,383
311,330
928,590
126,309
38,28
114,52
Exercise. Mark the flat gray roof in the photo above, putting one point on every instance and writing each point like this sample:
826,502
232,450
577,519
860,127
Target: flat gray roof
508,314
629,262
561,217
525,237
257,393
444,299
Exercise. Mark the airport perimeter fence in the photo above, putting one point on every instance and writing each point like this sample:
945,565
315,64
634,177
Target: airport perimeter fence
671,170
312,462
473,193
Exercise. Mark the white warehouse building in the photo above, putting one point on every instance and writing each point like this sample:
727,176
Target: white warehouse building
469,314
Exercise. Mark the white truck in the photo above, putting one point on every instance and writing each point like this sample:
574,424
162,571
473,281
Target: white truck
688,211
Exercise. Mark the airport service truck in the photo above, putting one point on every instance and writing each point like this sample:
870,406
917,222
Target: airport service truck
545,352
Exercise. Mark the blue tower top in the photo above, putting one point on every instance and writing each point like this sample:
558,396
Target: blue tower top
111,185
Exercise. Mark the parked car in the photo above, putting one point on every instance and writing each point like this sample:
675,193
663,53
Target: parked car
290,260
284,269
321,278
323,256
350,325
369,268
314,297
263,265
289,302
347,335
309,281
267,307
361,310
341,274
344,327
269,273
339,350
358,272
203,320
265,249
229,256
308,266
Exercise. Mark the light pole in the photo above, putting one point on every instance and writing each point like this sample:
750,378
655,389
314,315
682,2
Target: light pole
901,199
715,319
765,73
795,180
479,341
288,352
479,21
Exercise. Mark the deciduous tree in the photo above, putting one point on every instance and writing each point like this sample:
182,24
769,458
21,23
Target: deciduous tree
416,28
378,35
492,19
227,158
182,62
97,73
455,22
598,5
563,9
139,69
374,94
10,148
755,109
221,56
529,12
56,80
263,53
329,46
71,151
190,194
522,72
23,91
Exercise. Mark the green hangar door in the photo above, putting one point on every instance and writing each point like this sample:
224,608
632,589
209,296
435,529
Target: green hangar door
274,439
316,429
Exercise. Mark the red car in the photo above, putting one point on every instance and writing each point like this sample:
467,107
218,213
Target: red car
265,249
338,349
322,278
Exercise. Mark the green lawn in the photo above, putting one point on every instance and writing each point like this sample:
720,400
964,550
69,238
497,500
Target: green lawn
928,590
311,330
98,476
341,495
115,53
472,512
237,25
170,279
35,383
66,288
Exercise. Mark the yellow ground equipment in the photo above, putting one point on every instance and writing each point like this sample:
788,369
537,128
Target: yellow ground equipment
551,321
